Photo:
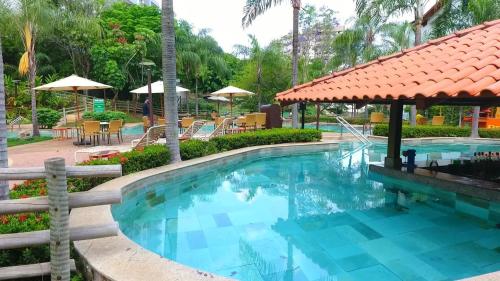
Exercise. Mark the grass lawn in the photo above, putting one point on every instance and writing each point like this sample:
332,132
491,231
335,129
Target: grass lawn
16,142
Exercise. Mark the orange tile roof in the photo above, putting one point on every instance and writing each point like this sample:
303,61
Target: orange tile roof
463,65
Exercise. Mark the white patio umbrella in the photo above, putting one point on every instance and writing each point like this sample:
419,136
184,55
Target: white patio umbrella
157,88
218,99
230,92
73,83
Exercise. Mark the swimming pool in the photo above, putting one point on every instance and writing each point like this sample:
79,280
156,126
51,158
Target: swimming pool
316,216
15,134
327,127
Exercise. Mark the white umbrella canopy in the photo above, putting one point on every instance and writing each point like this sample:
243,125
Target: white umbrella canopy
231,91
73,83
157,88
218,98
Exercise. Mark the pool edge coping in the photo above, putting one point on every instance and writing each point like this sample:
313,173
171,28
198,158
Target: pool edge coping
118,257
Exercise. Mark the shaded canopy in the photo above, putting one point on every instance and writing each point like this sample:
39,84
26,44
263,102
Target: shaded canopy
461,68
72,83
231,91
218,98
157,88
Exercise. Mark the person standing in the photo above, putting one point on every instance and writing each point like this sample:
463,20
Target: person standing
145,108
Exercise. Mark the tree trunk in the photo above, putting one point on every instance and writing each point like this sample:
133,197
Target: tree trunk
196,96
295,59
4,185
475,123
419,13
31,85
169,79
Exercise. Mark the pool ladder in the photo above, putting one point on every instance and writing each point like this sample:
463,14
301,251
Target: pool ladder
353,130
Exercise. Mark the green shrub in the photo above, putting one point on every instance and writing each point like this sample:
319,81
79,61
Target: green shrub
265,137
424,131
105,116
196,148
47,118
489,133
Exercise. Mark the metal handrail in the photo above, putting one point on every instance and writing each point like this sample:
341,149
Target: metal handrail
352,130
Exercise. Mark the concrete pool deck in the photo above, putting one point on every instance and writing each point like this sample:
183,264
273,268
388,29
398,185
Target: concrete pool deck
119,258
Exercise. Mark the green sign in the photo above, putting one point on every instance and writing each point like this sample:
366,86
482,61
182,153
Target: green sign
98,105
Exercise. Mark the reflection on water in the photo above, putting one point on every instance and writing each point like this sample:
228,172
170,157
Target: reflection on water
319,216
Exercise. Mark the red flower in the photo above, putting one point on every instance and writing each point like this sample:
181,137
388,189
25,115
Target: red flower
123,160
24,196
22,218
42,192
4,219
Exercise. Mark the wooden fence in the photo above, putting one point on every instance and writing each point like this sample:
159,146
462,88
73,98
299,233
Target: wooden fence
58,203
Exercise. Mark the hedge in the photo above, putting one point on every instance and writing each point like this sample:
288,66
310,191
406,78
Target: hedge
265,137
435,131
105,116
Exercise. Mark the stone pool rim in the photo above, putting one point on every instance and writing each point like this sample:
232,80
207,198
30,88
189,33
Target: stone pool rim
119,258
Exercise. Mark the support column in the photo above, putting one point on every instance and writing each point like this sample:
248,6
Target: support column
393,159
303,111
475,122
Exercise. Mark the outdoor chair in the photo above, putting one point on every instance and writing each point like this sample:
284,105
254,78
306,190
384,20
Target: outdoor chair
161,121
437,120
260,120
241,123
186,122
218,121
92,129
251,121
114,128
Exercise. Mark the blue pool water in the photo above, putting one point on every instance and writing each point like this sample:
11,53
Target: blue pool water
327,127
317,216
15,134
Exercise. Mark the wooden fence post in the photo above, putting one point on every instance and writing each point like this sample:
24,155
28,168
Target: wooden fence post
59,219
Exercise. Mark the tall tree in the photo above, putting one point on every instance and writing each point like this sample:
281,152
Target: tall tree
390,7
170,78
32,18
254,8
4,186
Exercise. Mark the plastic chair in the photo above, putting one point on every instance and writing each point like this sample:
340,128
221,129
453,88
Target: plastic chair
437,120
186,122
251,121
114,128
161,121
92,129
260,120
377,117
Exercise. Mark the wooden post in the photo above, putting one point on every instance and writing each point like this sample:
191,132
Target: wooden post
475,122
393,159
59,219
318,108
128,107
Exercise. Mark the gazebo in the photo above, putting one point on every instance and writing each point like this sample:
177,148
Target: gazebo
459,69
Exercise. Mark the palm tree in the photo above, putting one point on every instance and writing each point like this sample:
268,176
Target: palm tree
170,78
397,37
254,8
390,7
32,18
4,186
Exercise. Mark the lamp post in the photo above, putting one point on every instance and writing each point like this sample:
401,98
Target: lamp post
148,65
16,84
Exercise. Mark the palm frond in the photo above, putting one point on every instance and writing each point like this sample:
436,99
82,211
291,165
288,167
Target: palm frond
255,8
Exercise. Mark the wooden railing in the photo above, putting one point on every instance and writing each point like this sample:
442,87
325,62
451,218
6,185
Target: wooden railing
58,203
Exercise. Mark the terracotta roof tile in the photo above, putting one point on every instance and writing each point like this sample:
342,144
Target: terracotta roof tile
464,64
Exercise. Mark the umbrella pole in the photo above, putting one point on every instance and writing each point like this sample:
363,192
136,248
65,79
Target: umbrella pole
231,103
77,106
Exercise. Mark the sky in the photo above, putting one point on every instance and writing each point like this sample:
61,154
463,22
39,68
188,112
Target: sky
223,18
